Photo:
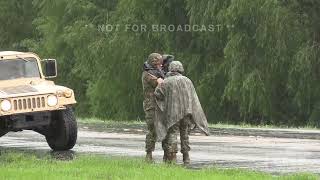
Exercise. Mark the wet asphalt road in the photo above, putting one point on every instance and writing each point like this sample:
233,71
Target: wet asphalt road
268,154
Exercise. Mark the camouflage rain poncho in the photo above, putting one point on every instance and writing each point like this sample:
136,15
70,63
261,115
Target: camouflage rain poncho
177,98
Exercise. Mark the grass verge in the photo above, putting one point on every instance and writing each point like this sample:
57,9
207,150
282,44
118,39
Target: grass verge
15,165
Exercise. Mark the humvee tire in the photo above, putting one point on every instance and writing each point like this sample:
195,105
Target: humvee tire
3,129
63,130
3,132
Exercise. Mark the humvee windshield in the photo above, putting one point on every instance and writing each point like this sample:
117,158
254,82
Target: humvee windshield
19,68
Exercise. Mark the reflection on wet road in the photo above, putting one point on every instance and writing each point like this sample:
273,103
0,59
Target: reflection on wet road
275,155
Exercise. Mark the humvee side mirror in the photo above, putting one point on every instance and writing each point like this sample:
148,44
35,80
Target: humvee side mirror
50,68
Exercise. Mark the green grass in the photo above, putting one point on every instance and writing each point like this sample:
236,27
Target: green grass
15,165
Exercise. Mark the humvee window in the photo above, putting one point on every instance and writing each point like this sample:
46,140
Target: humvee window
19,68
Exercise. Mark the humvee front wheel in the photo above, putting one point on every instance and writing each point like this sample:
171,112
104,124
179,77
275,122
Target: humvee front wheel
3,129
63,130
3,132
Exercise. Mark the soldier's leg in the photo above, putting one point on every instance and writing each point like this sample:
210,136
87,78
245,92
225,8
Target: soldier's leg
184,138
165,147
151,134
170,146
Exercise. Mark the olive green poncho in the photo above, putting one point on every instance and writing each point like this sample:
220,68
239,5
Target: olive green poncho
177,98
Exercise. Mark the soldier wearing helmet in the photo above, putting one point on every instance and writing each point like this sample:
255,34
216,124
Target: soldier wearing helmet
151,77
178,109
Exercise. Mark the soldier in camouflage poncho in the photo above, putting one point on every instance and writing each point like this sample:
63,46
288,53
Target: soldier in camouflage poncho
151,76
178,108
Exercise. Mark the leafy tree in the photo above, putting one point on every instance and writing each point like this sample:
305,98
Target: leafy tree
16,18
260,64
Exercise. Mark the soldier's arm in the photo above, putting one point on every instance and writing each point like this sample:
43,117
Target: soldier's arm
159,92
151,79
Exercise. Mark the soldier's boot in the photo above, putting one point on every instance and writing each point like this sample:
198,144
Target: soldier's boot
174,158
167,157
149,157
171,158
186,158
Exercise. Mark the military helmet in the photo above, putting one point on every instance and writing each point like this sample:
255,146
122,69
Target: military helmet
176,66
154,59
167,59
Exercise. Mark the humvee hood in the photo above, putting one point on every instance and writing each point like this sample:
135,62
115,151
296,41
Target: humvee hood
29,90
18,89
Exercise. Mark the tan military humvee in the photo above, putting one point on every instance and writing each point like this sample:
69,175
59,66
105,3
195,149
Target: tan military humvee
30,102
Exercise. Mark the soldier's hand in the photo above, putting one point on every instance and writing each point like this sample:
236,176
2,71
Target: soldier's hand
160,80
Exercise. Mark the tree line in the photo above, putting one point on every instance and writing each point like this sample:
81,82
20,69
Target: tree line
259,64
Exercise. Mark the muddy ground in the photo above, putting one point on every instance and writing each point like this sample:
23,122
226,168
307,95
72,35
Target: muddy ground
274,151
